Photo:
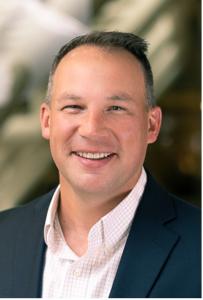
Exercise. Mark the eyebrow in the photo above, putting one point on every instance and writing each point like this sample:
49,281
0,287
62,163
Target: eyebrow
68,96
115,97
120,97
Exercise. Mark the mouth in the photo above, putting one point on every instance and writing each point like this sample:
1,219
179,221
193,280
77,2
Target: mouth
94,155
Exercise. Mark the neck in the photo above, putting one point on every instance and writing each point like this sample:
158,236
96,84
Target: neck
78,213
84,212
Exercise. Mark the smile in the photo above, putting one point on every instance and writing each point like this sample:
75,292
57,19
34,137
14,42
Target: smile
94,156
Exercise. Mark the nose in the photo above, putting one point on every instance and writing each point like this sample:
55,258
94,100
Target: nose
93,126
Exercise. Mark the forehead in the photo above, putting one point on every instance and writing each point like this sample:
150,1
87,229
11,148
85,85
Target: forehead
99,54
92,71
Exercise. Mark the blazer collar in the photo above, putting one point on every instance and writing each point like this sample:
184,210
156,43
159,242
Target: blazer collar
148,246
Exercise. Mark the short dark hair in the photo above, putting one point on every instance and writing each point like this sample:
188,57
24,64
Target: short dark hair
111,39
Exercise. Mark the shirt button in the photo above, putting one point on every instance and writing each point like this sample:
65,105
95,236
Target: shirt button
77,272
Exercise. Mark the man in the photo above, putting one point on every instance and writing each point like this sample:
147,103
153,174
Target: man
108,230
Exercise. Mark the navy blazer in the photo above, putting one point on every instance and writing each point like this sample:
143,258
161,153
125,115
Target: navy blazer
161,258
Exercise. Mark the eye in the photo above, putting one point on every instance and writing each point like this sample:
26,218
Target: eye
116,108
72,108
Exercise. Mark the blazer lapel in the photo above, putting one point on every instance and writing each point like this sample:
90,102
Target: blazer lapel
148,246
29,252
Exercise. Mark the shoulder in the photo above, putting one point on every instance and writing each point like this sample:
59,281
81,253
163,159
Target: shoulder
188,216
184,208
21,214
181,206
172,210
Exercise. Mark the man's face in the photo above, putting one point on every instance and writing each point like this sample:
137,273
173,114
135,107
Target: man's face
97,122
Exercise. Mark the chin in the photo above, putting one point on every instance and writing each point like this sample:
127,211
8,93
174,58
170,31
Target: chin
89,188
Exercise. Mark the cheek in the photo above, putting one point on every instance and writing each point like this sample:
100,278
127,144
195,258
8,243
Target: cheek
60,127
134,132
60,136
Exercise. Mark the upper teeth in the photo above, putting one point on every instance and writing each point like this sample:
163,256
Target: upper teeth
93,155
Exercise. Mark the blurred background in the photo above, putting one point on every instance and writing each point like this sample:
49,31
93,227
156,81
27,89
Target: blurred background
31,34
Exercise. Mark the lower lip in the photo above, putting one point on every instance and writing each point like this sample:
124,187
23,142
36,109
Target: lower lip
94,164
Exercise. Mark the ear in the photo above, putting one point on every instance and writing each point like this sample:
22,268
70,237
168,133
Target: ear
154,124
45,120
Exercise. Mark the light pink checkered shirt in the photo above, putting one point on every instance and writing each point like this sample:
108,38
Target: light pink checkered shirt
91,275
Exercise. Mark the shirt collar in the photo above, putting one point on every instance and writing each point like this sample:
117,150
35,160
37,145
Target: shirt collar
114,226
109,230
51,214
